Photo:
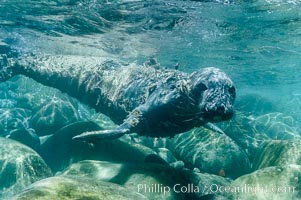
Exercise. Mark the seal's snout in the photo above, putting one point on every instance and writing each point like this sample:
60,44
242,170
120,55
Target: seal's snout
217,103
215,93
218,112
224,112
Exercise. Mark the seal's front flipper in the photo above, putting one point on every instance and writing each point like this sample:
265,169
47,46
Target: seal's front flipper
214,128
128,126
101,135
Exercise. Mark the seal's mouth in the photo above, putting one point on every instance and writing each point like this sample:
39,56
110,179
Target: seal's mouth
216,104
218,116
215,111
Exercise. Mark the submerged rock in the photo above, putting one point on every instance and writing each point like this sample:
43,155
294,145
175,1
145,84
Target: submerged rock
208,185
155,181
278,153
51,109
154,143
7,103
13,118
249,132
292,104
277,183
210,152
151,180
166,155
254,104
240,130
20,166
74,187
103,121
276,126
54,115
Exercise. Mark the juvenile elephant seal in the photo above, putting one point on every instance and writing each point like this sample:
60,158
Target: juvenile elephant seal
143,100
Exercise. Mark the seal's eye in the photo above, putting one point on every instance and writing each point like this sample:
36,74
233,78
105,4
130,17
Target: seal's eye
201,87
231,90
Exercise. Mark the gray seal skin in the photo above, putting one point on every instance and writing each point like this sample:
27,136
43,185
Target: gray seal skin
143,100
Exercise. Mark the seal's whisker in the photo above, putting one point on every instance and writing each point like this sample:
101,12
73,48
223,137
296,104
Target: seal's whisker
192,99
189,120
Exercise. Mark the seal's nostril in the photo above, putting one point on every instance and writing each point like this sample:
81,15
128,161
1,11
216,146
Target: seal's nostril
231,90
221,109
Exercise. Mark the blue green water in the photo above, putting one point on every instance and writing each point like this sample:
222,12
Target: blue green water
258,43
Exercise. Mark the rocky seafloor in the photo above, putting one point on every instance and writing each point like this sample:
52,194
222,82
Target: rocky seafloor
259,157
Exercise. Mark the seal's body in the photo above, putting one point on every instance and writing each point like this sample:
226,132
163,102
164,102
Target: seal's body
144,100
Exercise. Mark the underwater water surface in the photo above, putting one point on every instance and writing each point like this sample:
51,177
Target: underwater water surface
257,43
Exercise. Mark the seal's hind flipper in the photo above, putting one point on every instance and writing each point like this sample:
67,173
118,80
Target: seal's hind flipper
101,135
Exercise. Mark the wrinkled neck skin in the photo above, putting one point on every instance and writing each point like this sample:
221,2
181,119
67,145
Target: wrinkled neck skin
168,111
157,103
